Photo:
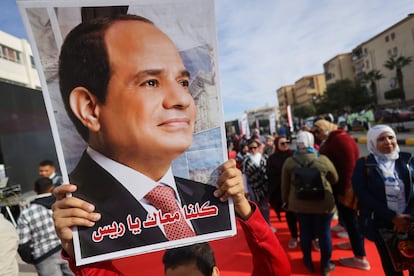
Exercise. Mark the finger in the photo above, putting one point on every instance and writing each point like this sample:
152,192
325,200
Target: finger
62,190
73,202
229,174
231,163
65,219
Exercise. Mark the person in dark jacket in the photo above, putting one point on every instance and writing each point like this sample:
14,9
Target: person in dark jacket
383,183
274,173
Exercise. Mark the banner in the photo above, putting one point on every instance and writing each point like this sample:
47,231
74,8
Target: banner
131,224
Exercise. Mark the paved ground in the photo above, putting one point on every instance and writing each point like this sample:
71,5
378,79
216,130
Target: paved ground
26,269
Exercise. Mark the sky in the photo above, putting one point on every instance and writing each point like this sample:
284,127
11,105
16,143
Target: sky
266,44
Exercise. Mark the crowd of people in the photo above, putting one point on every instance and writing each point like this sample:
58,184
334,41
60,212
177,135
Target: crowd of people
368,194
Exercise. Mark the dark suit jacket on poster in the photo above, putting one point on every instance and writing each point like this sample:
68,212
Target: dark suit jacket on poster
115,203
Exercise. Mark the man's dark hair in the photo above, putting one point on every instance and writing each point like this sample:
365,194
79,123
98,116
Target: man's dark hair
84,61
47,163
42,185
201,254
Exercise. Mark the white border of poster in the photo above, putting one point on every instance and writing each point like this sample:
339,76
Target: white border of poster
191,25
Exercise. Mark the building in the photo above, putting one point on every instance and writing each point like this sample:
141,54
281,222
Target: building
263,118
285,96
339,68
395,41
25,134
309,89
17,63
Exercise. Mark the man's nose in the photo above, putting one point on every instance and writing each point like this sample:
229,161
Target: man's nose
177,96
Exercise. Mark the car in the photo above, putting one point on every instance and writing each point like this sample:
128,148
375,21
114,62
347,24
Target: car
386,116
406,114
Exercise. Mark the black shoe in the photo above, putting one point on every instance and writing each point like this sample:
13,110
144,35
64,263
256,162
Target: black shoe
308,265
329,268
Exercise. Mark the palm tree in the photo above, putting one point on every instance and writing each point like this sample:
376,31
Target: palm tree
398,63
371,77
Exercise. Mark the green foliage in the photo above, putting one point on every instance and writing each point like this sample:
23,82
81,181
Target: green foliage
304,111
397,62
394,94
341,95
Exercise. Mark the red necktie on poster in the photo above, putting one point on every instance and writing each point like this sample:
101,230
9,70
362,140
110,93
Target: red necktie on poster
163,198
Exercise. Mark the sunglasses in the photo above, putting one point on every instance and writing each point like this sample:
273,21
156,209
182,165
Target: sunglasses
252,148
283,143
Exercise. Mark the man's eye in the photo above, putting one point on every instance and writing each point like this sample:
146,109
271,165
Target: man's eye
185,83
152,83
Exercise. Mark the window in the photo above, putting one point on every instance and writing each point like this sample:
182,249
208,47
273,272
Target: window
365,51
10,54
367,64
395,51
392,36
387,38
32,62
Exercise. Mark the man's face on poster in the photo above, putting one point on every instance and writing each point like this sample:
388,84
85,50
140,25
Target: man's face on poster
148,110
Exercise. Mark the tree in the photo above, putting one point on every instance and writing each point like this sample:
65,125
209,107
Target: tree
340,95
372,77
398,63
304,111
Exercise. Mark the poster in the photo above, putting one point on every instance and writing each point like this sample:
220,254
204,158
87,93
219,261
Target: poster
124,231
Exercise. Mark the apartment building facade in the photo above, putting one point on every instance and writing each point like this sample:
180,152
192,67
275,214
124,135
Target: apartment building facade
309,88
395,41
17,63
339,68
285,96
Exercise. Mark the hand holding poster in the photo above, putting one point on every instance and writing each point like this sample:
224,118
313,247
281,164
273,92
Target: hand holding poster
121,85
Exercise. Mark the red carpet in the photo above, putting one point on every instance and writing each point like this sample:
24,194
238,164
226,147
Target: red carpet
234,258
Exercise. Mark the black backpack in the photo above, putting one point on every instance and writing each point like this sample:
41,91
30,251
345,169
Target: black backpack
308,182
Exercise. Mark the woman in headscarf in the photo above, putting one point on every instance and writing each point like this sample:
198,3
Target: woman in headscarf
314,215
383,183
274,173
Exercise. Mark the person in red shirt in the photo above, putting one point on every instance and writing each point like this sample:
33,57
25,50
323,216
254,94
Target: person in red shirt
269,258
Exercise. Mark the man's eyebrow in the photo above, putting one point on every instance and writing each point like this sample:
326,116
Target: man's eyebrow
185,73
158,72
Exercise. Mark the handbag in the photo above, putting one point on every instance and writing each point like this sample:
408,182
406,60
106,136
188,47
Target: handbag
400,248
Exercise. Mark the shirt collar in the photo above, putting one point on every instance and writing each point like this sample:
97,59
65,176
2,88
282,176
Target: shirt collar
135,182
43,195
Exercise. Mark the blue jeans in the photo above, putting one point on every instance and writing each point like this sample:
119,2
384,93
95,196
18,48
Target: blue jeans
350,220
292,224
318,225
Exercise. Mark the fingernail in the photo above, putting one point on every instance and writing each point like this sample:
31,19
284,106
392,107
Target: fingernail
91,207
96,216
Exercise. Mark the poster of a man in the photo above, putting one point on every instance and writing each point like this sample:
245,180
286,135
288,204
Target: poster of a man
131,95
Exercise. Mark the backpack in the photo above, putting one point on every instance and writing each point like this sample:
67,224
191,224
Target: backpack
308,181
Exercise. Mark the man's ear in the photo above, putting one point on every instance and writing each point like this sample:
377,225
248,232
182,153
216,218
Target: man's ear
85,107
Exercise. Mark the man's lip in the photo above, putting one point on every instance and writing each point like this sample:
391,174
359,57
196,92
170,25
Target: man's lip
175,121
